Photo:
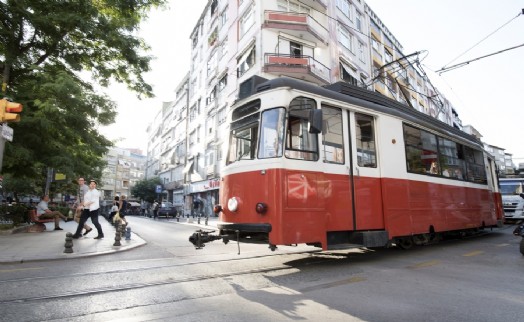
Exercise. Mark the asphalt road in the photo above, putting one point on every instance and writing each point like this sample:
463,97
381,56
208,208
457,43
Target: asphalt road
474,279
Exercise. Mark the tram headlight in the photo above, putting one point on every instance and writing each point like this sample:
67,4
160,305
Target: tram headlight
232,204
261,208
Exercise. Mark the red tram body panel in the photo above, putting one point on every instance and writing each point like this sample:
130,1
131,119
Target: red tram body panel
352,187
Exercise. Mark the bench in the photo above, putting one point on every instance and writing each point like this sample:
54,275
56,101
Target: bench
39,224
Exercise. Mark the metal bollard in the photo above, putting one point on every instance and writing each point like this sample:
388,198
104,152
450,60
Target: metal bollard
198,221
68,243
117,236
207,218
128,233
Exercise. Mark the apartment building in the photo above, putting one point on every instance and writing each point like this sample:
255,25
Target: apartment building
318,41
125,167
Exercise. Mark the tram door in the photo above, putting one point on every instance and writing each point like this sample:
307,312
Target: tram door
364,173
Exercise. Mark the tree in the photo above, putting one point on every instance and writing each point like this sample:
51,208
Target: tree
47,51
146,189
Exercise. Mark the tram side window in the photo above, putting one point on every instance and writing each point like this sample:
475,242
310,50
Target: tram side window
421,151
271,133
300,144
365,137
451,159
332,135
475,166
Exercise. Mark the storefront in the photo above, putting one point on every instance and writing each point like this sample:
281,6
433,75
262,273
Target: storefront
202,196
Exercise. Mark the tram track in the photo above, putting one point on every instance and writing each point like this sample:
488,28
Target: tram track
168,280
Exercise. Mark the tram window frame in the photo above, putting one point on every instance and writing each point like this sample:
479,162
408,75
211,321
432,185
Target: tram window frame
366,155
270,144
332,135
300,144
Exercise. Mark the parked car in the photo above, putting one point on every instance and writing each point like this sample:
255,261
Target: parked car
167,210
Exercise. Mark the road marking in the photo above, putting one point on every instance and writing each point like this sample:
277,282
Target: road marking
502,245
425,264
474,253
20,269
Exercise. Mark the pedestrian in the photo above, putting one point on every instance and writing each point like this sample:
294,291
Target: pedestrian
82,190
143,208
43,212
155,207
122,209
91,206
114,208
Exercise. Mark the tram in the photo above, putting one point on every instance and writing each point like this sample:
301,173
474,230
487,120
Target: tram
340,167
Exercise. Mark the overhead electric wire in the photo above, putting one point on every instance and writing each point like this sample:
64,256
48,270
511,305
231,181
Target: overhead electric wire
444,67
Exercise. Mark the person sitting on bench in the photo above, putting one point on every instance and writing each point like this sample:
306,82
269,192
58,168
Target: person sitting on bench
43,212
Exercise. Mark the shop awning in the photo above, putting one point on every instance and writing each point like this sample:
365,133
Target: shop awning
188,167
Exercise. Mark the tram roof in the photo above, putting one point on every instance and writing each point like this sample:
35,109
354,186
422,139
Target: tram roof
352,94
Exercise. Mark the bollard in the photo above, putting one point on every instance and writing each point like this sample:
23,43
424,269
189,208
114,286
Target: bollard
122,230
128,233
177,218
198,221
207,218
117,236
68,243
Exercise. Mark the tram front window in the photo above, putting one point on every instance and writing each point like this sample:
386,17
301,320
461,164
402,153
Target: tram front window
243,143
271,133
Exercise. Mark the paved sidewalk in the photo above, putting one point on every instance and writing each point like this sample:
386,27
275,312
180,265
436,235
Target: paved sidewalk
50,244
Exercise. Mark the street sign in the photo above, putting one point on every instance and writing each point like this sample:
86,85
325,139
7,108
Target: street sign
158,188
7,132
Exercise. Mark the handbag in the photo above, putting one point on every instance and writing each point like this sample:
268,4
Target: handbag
116,217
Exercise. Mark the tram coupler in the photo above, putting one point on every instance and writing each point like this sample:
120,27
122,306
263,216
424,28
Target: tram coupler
200,237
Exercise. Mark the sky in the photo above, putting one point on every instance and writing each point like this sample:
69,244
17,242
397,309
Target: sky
487,94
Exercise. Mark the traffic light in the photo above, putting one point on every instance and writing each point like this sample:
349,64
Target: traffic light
8,111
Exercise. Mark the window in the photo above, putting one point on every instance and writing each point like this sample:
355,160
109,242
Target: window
332,135
427,153
345,7
359,21
360,52
292,6
388,57
222,116
223,18
295,49
300,144
192,113
345,75
222,83
365,137
247,20
246,62
345,37
271,133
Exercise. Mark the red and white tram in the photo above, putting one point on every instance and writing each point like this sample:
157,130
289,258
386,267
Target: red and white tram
339,167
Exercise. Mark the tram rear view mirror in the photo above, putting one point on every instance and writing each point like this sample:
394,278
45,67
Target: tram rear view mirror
315,121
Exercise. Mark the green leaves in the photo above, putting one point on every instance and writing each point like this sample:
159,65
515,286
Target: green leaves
47,51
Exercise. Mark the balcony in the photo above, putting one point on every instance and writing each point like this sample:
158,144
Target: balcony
299,25
302,67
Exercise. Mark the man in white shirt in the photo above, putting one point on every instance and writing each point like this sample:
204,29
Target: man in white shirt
43,211
91,206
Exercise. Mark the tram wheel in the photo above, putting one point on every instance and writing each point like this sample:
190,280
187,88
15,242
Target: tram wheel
405,243
522,246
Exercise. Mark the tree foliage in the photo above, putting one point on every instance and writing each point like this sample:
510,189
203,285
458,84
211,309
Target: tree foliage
145,189
48,51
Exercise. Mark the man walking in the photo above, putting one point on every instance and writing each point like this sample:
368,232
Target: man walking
91,207
82,190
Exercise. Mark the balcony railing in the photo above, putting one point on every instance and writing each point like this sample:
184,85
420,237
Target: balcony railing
297,24
305,67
